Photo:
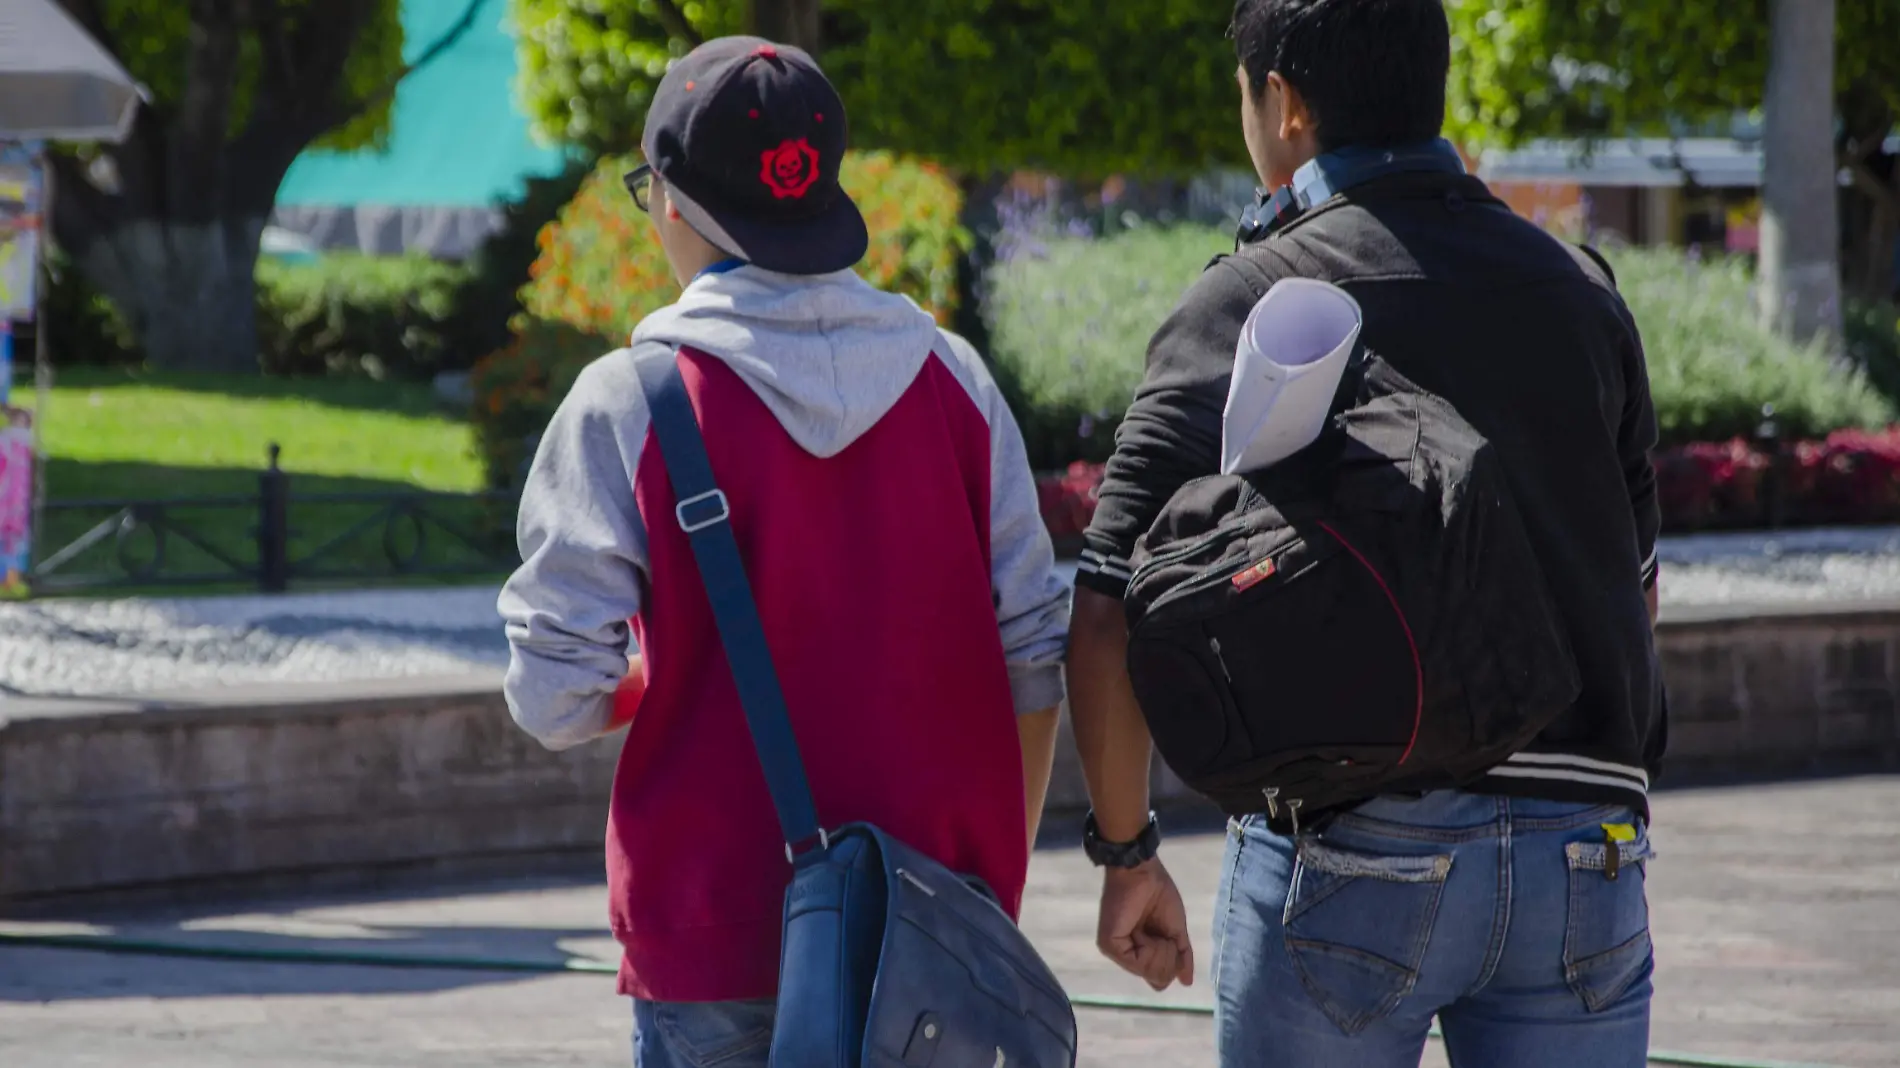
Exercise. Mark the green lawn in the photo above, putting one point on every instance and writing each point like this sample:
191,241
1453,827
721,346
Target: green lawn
115,436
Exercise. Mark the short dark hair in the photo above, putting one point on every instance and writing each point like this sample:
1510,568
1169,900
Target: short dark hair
1372,71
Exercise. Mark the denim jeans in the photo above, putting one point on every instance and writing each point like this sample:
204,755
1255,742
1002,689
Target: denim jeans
713,1034
1496,915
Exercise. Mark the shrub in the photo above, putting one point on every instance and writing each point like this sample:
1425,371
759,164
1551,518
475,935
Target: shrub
601,270
1873,343
1070,318
489,298
1851,476
516,390
1848,477
379,316
1068,503
83,326
1712,369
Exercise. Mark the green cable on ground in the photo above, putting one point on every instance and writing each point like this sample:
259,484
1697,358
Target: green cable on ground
118,944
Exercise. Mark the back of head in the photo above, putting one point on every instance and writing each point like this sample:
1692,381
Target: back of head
1372,72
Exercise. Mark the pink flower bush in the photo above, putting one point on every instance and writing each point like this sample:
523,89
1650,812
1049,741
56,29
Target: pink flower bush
1850,477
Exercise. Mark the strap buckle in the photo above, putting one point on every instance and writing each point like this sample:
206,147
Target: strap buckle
824,842
694,526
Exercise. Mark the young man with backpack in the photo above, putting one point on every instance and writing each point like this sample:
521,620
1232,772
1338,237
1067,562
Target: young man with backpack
1505,899
877,489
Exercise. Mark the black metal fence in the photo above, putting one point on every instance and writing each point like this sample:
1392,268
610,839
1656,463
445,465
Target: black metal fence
273,538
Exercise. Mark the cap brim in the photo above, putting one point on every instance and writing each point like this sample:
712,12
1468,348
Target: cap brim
833,240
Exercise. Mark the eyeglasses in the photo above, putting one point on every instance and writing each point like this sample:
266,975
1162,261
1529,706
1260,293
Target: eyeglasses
638,182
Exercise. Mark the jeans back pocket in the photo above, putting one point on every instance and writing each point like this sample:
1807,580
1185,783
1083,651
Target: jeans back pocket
1357,925
714,1034
1606,939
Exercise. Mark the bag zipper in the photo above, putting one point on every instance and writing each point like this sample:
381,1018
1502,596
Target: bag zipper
1225,575
1214,644
1172,556
1247,496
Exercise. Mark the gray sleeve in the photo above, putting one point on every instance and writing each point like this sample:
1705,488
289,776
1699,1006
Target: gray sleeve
584,554
1032,602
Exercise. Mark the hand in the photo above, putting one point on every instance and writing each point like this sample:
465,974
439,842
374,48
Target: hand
1143,925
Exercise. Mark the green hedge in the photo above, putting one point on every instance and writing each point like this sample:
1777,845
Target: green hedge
1711,368
1070,326
601,270
1873,343
349,314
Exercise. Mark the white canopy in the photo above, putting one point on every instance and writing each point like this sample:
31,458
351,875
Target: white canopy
56,82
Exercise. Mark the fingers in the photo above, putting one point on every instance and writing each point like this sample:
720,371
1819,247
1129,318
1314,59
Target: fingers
1162,964
1155,960
1143,929
1174,914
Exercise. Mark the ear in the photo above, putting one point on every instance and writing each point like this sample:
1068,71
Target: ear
1296,120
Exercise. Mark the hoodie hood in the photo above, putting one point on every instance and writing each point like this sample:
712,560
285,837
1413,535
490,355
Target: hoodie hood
829,354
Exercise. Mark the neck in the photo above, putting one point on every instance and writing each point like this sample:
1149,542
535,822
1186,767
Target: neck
1348,165
691,264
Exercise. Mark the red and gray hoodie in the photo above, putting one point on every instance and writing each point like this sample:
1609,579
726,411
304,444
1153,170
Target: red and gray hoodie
889,524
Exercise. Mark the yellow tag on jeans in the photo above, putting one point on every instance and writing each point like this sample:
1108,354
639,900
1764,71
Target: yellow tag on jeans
1620,832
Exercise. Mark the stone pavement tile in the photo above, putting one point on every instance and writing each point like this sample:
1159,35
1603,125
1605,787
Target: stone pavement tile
1777,920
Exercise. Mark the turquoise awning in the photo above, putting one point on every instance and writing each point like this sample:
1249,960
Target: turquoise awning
459,138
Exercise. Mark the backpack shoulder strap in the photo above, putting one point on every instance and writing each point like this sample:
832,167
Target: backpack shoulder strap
1600,260
705,515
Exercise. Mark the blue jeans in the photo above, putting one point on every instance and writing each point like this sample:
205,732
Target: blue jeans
1496,915
713,1034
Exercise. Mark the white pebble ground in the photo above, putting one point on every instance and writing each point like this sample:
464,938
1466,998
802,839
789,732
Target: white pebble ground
126,647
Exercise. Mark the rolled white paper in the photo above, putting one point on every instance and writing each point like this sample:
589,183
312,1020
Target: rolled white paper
1287,366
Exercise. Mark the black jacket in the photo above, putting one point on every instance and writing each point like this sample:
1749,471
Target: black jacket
1528,339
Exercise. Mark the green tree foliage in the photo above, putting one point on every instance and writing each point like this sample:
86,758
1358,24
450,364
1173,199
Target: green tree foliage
152,37
1083,88
1560,68
167,223
589,67
1523,69
1080,87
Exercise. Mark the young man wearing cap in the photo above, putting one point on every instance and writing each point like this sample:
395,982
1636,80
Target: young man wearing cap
889,525
1511,910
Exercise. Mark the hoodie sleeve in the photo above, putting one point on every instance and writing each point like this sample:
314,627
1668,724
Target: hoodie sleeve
584,555
1032,601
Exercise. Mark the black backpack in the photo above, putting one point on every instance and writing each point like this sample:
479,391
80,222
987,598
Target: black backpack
1364,617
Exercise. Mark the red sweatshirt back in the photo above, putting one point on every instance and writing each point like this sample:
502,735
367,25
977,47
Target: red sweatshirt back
872,573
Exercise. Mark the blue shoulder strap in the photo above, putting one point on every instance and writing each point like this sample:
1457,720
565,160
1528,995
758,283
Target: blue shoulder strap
704,514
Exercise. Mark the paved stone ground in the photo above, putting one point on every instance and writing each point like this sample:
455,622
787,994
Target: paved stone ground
113,648
1777,917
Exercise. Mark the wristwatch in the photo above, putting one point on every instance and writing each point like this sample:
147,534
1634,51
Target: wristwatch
1106,854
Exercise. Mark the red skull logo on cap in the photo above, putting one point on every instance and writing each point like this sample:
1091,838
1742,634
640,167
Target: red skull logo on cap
790,169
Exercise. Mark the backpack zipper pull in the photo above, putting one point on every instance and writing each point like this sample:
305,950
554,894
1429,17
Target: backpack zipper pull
1273,801
1293,811
1214,644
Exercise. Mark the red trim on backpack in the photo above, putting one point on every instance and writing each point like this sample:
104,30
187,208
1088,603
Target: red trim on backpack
1418,666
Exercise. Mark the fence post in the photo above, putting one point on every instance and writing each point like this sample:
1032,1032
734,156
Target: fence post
273,527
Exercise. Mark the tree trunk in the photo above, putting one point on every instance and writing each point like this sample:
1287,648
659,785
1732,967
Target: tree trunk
189,291
1800,234
170,230
792,22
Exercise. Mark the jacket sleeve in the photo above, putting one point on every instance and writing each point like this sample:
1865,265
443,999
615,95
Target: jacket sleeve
584,555
1636,440
1171,434
1032,601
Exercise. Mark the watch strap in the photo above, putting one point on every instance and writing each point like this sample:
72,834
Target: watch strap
1106,854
